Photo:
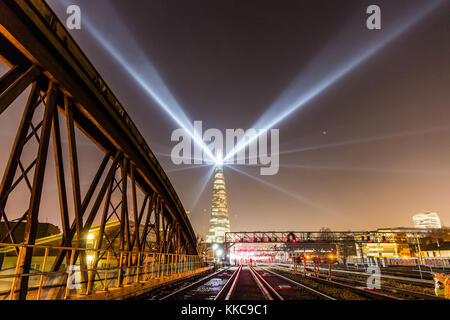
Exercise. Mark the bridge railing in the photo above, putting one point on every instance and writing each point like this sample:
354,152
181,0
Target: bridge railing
106,270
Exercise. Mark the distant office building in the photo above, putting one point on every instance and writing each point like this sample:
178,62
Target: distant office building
44,229
436,250
384,244
428,220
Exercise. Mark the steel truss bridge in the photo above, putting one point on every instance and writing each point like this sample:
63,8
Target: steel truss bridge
46,64
295,242
319,236
291,240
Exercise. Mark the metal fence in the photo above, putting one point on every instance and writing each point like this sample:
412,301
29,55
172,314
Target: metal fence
414,261
106,269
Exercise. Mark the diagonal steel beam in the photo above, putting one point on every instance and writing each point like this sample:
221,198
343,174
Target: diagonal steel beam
18,86
24,260
74,165
135,213
59,259
16,152
62,193
136,235
10,77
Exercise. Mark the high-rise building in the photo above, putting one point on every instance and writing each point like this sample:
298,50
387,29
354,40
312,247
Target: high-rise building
429,220
220,222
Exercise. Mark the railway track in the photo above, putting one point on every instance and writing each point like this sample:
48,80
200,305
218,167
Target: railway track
421,285
425,273
394,292
335,289
354,283
289,289
205,288
280,283
249,283
399,277
237,283
389,287
399,293
242,283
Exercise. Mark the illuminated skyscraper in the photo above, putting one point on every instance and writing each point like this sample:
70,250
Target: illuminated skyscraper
219,223
427,220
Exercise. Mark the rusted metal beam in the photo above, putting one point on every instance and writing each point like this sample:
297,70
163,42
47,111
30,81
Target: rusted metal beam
100,236
30,166
18,86
10,232
9,229
62,194
124,207
14,158
136,235
103,221
95,181
74,166
146,223
35,199
94,210
135,213
157,220
10,77
24,175
10,55
16,151
76,189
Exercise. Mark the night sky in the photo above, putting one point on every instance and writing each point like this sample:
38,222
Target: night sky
386,152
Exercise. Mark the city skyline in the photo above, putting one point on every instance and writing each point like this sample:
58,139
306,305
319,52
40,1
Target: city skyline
382,159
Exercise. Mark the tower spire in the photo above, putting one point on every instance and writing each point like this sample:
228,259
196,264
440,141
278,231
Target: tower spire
220,222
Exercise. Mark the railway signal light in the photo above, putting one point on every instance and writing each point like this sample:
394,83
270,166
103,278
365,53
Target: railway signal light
291,238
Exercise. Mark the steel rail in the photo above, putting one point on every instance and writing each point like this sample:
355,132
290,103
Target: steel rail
229,287
298,284
388,276
271,290
390,291
192,285
356,290
264,286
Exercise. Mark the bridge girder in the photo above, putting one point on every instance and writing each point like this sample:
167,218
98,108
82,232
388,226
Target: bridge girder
42,55
319,236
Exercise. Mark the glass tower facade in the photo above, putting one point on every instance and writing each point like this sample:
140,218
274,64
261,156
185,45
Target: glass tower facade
220,222
428,220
